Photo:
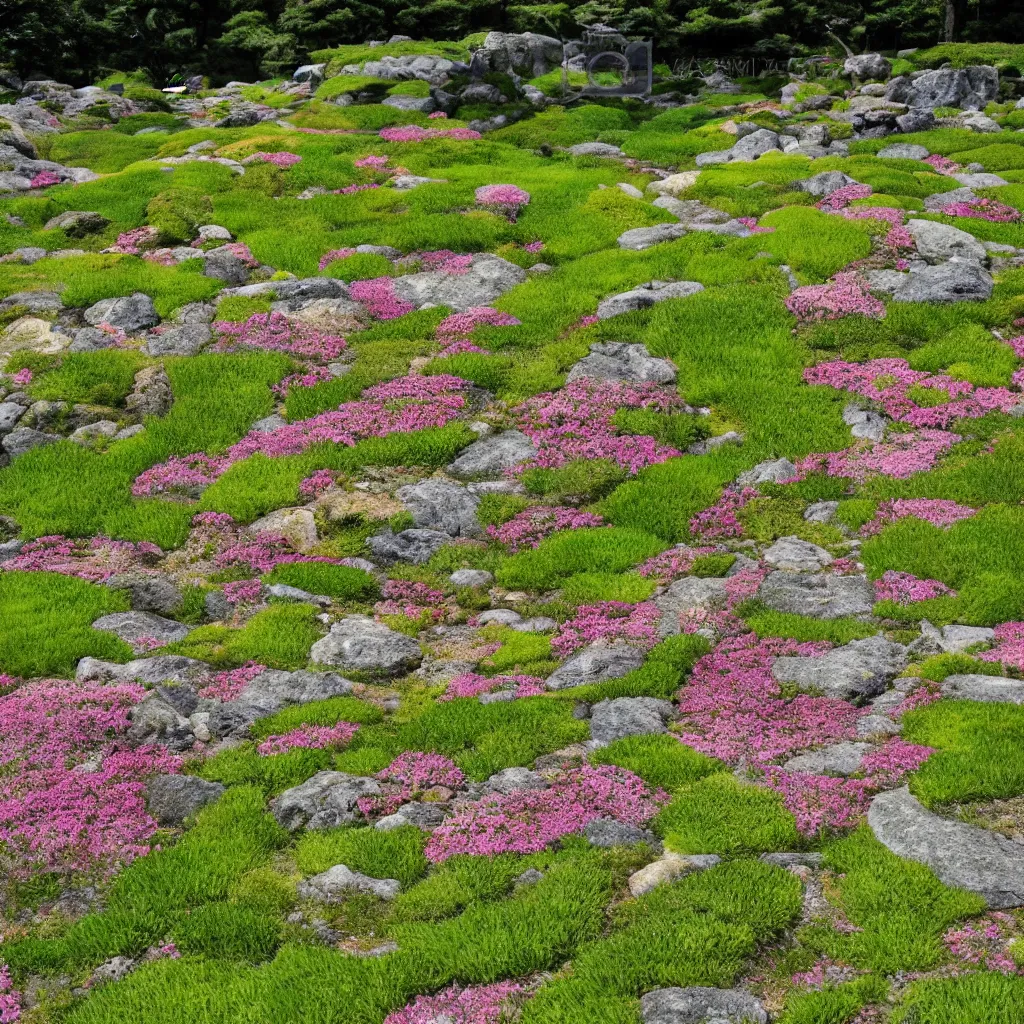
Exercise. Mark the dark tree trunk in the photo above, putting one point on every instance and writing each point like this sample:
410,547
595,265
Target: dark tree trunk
956,15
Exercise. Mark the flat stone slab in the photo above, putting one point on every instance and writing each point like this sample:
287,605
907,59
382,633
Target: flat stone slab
838,759
596,664
857,670
700,1005
961,855
133,627
988,689
819,595
614,719
359,643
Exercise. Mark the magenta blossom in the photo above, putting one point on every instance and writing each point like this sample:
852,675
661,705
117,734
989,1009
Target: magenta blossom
229,685
313,737
479,1004
847,294
937,511
529,527
1009,649
472,685
904,588
637,624
276,333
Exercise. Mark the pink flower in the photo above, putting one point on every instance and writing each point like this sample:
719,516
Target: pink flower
412,600
284,160
529,527
1009,649
471,685
95,559
130,243
672,564
504,199
22,377
310,379
413,133
534,247
409,776
899,456
846,295
10,998
720,520
375,163
335,254
315,484
637,624
480,1004
314,737
378,295
842,197
942,164
982,209
527,821
229,685
936,511
243,591
887,767
903,588
44,179
351,189
274,332
437,115
458,325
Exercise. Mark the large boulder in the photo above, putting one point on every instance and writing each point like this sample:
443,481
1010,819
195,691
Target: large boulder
824,183
692,593
337,883
755,145
327,800
132,313
596,664
646,295
700,1005
491,456
611,720
638,239
359,643
487,278
443,506
988,689
414,546
819,595
77,223
967,88
961,855
164,668
133,627
867,65
938,242
618,360
955,281
155,721
173,798
856,671
522,53
796,555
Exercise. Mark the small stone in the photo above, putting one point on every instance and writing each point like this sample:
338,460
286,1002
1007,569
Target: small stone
796,555
513,780
771,472
336,883
699,1005
859,669
607,832
837,759
135,626
360,643
987,689
667,869
173,798
615,719
471,578
596,664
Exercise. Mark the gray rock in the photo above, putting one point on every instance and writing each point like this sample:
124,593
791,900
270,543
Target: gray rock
638,239
596,664
312,73
595,149
285,593
838,759
630,190
413,546
691,212
989,689
443,506
419,104
612,720
918,119
134,626
825,183
35,301
978,122
959,638
819,595
771,472
607,832
821,512
645,296
223,265
968,88
10,413
487,278
502,616
523,53
152,394
699,1005
754,145
24,439
131,313
404,182
855,671
980,180
796,555
178,340
359,643
938,242
482,92
884,282
935,202
338,882
90,339
948,282
77,223
173,798
149,593
420,815
471,578
618,360
689,594
156,722
865,422
903,151
114,969
274,689
867,65
877,726
961,855
785,860
327,800
491,456
164,668
512,780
